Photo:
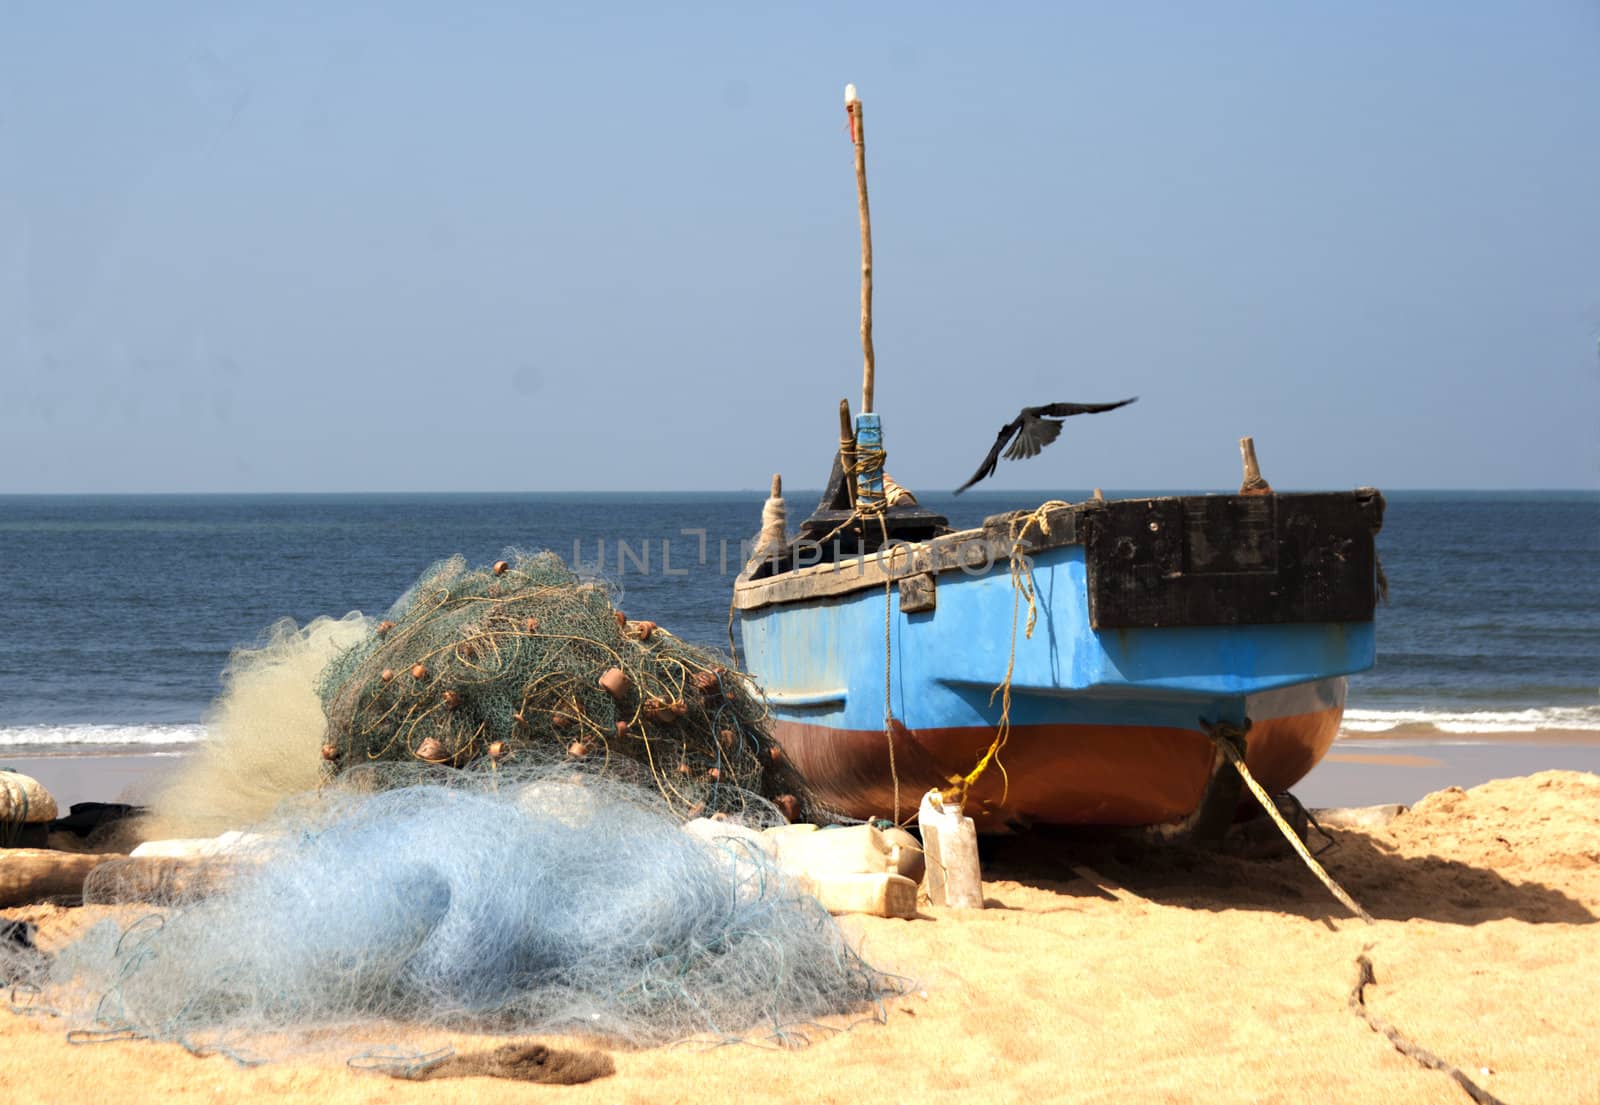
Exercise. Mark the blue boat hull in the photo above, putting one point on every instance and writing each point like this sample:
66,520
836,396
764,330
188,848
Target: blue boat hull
1104,722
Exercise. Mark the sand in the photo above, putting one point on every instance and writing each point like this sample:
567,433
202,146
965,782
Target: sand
1204,978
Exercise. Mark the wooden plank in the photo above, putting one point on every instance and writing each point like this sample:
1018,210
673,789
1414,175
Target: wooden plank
964,550
32,875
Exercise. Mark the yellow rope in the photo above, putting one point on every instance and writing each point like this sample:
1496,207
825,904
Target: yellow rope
1021,587
1224,737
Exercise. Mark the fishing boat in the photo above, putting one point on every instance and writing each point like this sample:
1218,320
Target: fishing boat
1084,663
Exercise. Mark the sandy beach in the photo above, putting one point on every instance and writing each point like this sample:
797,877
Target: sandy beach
1166,977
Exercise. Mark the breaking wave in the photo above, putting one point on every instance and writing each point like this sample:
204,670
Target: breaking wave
92,737
1423,722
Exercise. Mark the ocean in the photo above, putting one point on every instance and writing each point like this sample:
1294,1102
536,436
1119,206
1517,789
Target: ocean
118,613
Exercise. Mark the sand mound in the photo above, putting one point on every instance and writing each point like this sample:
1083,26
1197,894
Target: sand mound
1551,819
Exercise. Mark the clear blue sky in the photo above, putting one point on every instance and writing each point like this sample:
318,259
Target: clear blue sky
529,246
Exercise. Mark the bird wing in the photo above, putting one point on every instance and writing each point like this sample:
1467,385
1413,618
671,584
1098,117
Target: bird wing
1062,410
1034,435
986,469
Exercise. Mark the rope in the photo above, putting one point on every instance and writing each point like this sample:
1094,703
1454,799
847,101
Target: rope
1021,587
1358,1005
871,496
888,683
1228,739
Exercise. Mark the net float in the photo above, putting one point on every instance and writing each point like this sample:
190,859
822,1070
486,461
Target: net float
707,683
697,809
622,728
679,708
714,774
388,675
622,619
775,754
500,567
384,627
683,767
432,751
615,682
531,625
640,630
452,700
659,711
466,650
497,751
330,752
789,806
577,750
419,671
725,736
562,721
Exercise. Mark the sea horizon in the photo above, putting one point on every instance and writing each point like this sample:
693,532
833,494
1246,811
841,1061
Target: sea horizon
122,609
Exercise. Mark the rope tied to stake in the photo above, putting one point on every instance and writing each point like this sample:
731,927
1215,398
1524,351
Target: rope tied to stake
1229,740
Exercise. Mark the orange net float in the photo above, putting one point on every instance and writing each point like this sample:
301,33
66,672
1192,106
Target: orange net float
615,682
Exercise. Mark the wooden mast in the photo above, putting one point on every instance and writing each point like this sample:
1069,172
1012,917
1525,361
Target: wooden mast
858,137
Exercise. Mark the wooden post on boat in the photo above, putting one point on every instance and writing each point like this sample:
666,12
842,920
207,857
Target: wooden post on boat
858,137
1254,483
847,450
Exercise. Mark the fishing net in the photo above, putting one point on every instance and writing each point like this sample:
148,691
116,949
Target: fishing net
525,657
529,898
262,735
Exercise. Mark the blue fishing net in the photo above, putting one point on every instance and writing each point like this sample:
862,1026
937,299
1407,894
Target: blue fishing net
537,898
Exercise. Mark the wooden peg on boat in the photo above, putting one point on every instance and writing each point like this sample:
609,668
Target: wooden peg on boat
847,450
1253,483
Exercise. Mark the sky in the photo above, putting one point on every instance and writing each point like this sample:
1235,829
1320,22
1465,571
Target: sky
614,247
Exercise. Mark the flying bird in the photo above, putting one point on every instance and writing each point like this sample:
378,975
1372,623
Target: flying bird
1033,429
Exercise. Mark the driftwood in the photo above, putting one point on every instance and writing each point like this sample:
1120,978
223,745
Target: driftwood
1107,885
521,1062
1358,817
1358,1006
29,876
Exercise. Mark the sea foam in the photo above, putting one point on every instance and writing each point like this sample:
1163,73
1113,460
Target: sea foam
1416,722
91,737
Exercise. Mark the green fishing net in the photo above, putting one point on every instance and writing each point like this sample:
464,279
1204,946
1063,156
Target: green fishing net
527,658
